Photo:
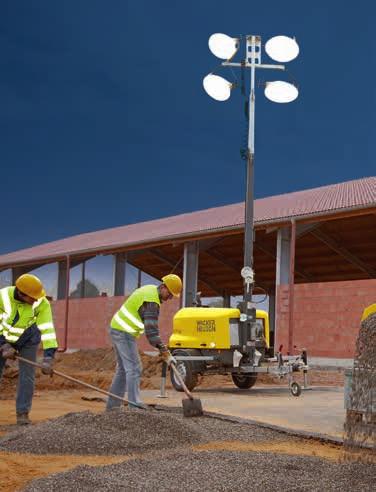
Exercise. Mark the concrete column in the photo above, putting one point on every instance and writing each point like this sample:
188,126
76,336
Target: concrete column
226,300
283,256
62,279
272,318
17,271
190,275
83,276
282,277
120,260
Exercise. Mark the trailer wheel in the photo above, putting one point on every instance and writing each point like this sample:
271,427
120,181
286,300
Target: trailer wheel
185,368
295,389
243,381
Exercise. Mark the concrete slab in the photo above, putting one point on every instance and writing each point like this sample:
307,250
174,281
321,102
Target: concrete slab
319,410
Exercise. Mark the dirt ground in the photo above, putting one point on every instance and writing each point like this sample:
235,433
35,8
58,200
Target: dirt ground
97,368
55,397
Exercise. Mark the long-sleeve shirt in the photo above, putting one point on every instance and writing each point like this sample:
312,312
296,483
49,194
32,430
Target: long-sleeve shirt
149,313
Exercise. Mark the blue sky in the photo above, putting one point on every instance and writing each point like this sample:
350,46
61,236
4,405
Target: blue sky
104,120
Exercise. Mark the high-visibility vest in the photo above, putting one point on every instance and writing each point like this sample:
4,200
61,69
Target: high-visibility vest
17,316
128,318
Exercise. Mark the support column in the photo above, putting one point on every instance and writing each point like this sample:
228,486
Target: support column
272,319
283,256
292,286
17,271
120,260
226,300
190,275
282,282
62,279
82,289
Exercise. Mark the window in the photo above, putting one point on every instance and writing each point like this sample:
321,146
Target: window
48,276
131,279
5,278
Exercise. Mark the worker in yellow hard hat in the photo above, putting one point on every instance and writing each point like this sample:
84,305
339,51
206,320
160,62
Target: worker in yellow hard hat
25,320
139,314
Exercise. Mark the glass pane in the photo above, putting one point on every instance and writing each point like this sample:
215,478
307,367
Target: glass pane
131,279
99,276
75,281
48,275
5,278
259,302
212,301
147,279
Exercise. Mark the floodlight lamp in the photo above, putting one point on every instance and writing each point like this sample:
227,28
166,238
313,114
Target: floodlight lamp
282,48
280,91
223,46
217,87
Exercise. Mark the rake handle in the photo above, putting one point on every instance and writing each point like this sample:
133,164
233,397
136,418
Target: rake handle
74,380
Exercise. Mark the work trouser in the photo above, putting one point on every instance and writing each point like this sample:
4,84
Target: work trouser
128,369
26,378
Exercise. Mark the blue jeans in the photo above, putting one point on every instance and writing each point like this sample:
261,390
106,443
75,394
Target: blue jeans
128,369
26,378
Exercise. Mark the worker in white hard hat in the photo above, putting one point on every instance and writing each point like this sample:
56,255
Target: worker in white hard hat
25,321
139,314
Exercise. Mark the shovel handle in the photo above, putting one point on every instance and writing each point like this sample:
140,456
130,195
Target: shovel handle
77,381
181,381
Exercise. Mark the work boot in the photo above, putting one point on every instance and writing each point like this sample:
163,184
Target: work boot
138,406
23,419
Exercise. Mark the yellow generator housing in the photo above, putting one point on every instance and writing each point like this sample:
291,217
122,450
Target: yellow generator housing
208,341
212,328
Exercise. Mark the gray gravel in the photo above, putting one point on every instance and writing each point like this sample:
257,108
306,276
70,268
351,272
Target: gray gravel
214,471
360,424
121,432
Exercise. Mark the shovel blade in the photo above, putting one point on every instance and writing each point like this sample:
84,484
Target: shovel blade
192,407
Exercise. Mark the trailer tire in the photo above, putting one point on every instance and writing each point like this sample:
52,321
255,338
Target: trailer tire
186,369
243,381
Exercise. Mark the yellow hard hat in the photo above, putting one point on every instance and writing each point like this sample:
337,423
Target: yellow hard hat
30,285
173,283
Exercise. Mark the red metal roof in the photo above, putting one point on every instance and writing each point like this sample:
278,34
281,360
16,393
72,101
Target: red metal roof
335,198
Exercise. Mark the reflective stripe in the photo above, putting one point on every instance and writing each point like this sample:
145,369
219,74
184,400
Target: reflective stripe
132,318
11,338
6,301
6,325
36,303
48,336
124,325
46,326
12,329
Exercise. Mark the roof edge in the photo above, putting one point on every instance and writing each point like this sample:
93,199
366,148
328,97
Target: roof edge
192,235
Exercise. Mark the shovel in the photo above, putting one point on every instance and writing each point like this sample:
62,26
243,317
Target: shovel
82,383
191,407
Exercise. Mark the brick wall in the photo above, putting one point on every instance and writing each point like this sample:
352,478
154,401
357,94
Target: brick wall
326,316
89,320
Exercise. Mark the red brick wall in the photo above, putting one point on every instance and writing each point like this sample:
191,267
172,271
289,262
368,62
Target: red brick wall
326,316
89,320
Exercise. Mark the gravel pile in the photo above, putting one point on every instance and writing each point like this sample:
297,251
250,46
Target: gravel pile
214,471
360,424
121,432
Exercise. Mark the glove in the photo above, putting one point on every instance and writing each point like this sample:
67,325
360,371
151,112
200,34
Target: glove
167,357
47,366
7,351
